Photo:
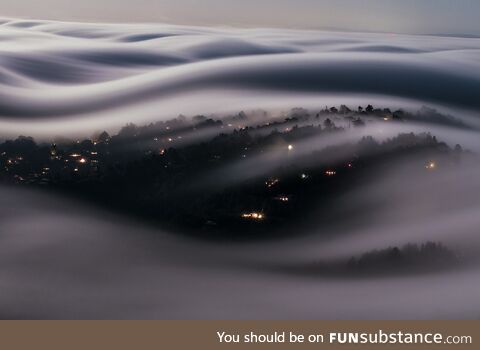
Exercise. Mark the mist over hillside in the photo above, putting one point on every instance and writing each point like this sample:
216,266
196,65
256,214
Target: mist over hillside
174,172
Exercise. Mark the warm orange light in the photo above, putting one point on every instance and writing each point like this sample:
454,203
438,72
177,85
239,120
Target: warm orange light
253,216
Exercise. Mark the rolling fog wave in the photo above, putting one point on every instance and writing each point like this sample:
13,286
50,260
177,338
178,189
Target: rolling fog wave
111,74
62,260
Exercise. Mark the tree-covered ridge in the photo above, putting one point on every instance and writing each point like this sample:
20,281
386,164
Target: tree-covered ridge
188,172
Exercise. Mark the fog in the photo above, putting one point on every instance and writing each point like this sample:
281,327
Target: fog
60,77
421,16
261,165
61,258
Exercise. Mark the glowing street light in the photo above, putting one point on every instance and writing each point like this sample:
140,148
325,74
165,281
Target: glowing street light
431,166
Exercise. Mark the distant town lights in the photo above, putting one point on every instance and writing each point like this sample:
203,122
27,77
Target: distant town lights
253,216
271,182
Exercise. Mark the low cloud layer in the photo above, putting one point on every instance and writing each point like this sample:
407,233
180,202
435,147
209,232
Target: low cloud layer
62,259
64,77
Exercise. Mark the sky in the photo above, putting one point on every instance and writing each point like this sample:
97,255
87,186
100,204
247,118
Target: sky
400,16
